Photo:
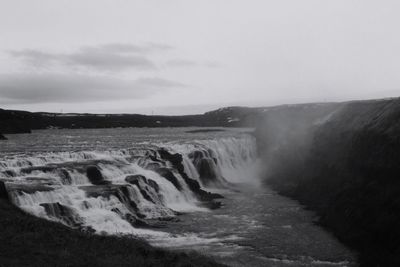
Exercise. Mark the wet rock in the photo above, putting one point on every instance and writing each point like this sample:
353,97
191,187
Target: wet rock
9,173
136,179
154,185
95,176
141,182
205,162
207,170
135,221
194,186
196,155
100,190
46,168
66,214
211,154
83,165
212,204
29,188
175,159
65,177
153,165
168,174
80,166
140,222
119,191
146,195
3,191
42,181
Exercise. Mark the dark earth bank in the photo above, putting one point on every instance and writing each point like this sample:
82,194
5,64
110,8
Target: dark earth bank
344,165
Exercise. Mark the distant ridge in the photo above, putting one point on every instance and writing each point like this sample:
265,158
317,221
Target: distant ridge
16,121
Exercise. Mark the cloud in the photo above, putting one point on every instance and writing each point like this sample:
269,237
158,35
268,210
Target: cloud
131,48
62,88
107,57
181,63
190,63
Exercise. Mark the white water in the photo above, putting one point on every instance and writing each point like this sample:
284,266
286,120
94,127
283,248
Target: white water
231,157
254,227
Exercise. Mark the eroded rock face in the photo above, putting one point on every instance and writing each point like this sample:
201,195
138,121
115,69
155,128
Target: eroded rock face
9,173
63,213
139,180
136,179
80,166
175,159
29,170
207,170
126,196
37,185
66,178
153,184
101,190
95,176
169,175
194,186
144,185
153,165
134,220
3,191
206,165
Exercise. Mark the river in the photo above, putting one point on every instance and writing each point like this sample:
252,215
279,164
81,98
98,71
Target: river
45,173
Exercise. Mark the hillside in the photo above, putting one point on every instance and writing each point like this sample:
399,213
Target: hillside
344,165
13,121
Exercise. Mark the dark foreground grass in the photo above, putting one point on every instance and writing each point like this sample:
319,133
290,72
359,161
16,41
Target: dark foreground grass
29,241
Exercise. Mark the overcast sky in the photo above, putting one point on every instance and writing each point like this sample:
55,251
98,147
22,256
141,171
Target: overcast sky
187,56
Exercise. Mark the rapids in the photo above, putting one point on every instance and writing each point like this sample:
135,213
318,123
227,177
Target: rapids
141,181
175,187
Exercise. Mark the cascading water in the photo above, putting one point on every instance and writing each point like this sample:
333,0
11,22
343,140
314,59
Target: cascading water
127,191
161,184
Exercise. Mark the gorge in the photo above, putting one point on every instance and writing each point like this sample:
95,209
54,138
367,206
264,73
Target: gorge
165,184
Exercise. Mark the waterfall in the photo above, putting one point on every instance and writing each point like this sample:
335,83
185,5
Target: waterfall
127,191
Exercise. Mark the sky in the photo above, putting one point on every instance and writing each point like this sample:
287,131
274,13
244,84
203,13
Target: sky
192,56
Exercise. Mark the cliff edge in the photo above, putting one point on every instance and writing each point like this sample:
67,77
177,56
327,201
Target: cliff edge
345,165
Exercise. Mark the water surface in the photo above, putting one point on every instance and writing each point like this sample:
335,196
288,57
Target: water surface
258,227
254,227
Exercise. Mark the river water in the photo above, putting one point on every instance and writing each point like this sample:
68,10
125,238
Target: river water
258,227
253,227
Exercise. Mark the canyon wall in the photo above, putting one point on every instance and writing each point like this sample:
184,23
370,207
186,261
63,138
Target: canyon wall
344,163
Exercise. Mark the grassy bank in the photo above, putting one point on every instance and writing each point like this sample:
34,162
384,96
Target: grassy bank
29,241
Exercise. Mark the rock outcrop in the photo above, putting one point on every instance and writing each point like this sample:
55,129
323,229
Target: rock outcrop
94,175
176,161
3,191
144,185
122,193
169,175
63,213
